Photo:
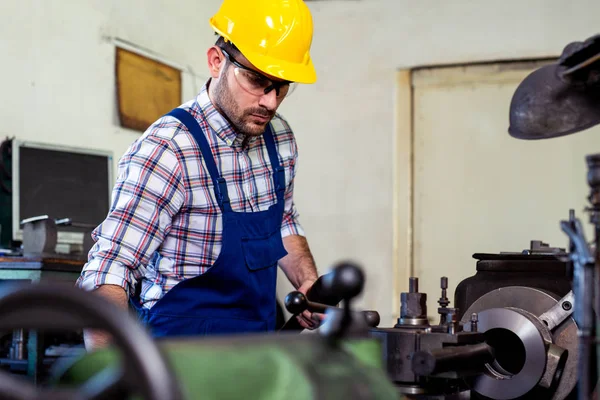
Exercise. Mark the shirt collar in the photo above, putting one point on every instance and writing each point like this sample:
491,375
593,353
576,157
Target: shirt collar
219,123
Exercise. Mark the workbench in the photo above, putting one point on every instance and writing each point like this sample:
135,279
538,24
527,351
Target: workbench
31,269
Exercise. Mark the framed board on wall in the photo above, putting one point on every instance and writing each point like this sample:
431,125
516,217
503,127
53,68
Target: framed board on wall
146,89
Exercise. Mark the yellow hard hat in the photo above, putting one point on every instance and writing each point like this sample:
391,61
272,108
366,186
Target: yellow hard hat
274,35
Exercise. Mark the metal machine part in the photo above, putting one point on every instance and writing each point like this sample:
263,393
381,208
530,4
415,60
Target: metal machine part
510,317
559,312
560,98
512,342
326,292
451,358
341,285
144,369
560,108
413,307
584,289
540,266
522,366
296,302
425,360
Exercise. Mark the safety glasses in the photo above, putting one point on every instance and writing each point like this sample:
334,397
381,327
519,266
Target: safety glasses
256,83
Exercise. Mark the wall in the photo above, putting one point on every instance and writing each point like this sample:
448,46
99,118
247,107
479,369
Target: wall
58,86
58,63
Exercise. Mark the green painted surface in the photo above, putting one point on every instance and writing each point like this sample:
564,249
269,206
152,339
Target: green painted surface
36,275
280,369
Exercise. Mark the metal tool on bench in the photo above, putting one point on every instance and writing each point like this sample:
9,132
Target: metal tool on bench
40,234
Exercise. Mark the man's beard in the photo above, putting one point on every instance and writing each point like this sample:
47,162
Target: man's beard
238,118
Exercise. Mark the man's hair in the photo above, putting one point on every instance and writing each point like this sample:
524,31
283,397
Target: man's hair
228,47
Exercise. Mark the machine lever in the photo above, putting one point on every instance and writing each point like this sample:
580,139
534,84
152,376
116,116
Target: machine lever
296,303
559,312
343,283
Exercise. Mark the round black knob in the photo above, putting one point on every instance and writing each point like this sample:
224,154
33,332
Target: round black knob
346,280
295,302
372,318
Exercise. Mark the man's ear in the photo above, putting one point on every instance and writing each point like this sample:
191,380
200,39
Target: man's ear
215,61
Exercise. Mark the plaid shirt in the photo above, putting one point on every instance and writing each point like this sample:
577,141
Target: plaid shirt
164,223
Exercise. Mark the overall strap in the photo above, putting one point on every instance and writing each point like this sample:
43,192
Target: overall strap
219,182
278,171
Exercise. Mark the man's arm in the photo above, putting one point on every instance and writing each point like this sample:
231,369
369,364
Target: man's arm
98,339
299,265
300,269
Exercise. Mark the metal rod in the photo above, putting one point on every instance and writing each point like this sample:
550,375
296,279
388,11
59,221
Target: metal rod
413,285
459,358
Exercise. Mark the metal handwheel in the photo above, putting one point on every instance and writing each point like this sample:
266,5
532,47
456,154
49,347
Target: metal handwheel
144,370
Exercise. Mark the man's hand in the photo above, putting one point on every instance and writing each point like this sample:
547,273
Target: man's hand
307,319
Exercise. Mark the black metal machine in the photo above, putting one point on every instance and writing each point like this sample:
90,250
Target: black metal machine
513,338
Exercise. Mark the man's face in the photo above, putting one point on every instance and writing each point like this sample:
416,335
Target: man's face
239,94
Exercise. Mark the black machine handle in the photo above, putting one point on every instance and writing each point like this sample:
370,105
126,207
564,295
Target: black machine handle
316,294
344,282
296,303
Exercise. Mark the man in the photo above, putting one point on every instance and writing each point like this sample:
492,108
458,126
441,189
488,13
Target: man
203,210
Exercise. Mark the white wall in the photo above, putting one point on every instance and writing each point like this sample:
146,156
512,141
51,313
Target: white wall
57,86
58,82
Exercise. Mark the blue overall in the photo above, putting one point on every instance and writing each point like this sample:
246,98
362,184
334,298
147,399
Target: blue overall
237,294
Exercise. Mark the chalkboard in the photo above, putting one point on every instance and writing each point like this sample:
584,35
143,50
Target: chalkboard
63,184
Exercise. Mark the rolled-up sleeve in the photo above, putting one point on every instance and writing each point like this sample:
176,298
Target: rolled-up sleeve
291,224
147,194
